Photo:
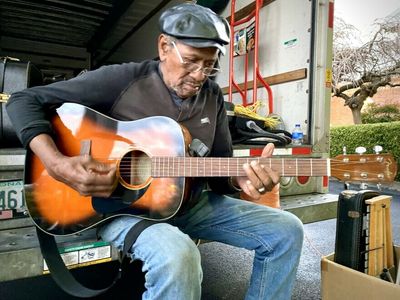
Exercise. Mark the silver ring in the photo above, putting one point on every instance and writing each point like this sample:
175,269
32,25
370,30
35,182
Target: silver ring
261,190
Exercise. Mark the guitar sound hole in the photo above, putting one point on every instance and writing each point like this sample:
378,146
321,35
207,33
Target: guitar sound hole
135,168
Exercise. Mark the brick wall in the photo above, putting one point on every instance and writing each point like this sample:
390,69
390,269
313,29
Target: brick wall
341,115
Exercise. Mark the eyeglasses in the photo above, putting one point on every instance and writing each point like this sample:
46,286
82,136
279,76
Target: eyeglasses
193,67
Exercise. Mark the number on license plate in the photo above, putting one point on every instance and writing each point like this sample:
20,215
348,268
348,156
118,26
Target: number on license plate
11,195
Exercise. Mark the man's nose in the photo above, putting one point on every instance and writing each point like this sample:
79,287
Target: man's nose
199,75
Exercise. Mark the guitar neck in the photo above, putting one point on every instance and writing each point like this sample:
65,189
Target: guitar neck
225,167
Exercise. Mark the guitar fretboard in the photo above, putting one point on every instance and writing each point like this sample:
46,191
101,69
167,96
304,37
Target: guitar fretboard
224,167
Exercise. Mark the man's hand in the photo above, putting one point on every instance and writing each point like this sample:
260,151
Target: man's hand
260,179
86,175
82,173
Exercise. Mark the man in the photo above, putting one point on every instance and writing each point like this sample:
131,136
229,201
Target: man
178,87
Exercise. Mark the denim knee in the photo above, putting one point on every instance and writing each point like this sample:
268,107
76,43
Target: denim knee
292,230
176,252
297,229
184,259
283,234
171,263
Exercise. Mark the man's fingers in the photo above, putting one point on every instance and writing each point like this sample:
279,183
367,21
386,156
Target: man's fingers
261,178
99,177
89,177
264,176
273,176
95,183
250,172
98,167
268,150
251,190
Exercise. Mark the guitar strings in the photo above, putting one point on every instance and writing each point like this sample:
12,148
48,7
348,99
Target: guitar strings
318,171
171,166
232,158
171,173
182,158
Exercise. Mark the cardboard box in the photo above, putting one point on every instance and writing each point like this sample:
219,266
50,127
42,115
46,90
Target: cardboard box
340,283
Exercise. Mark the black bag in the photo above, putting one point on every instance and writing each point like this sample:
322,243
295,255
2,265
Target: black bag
14,76
249,131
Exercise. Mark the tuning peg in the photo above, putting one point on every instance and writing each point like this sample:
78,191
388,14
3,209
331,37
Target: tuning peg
363,185
345,158
378,149
361,150
379,186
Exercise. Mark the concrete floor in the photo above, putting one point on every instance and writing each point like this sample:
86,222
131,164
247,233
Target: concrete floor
227,269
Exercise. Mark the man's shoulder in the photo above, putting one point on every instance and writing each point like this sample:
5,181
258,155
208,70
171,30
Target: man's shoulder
146,66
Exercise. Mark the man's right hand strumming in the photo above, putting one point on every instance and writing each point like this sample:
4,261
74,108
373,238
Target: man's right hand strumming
82,173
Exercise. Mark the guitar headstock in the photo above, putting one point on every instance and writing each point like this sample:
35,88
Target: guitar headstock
365,168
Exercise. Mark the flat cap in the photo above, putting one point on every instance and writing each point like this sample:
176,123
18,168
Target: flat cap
196,26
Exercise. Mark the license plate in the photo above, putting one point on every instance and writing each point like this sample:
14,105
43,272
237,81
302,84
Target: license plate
12,195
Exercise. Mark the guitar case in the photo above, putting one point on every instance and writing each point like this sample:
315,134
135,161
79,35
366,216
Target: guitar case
352,229
14,76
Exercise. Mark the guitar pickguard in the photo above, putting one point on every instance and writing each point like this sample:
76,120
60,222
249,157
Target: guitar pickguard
122,199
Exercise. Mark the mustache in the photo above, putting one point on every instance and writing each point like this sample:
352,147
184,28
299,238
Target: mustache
187,81
193,82
196,84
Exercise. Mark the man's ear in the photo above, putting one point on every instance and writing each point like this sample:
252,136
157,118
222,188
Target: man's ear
163,46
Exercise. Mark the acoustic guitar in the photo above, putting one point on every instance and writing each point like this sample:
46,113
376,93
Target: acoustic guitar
153,168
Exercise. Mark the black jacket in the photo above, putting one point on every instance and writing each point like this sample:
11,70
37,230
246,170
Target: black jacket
128,91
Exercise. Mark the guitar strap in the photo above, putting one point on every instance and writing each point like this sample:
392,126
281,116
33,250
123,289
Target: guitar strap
60,273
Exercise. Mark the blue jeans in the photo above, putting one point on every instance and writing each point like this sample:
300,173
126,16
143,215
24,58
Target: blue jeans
171,260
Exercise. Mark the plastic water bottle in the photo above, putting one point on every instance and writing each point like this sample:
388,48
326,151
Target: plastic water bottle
297,135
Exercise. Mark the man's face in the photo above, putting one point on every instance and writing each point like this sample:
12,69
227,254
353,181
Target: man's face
177,62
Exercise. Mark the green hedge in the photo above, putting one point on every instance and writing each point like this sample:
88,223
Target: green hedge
367,135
